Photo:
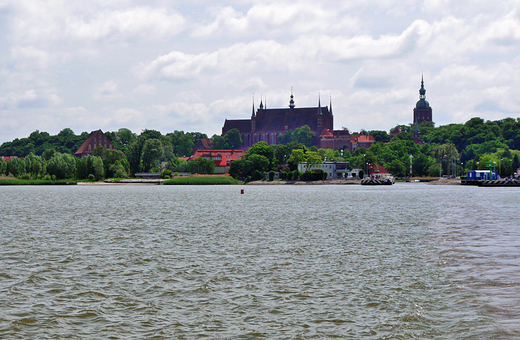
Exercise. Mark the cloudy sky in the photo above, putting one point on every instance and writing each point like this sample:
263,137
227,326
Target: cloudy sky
187,65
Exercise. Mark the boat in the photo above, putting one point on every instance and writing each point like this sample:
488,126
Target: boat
381,181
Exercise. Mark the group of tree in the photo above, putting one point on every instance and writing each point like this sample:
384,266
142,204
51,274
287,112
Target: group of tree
231,140
447,150
177,143
52,156
53,165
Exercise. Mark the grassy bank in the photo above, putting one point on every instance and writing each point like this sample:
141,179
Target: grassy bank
16,181
202,180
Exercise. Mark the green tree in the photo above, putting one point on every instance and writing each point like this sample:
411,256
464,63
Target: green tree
233,138
115,161
3,166
61,165
261,148
304,135
380,136
152,153
219,142
151,134
16,167
201,165
397,168
516,163
98,170
185,146
125,136
134,152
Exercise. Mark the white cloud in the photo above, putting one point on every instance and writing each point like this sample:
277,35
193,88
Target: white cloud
276,18
182,65
109,90
29,99
145,89
56,20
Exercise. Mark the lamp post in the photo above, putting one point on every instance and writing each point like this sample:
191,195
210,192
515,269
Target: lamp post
364,165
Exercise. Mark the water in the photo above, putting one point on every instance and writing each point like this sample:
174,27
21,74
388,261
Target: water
279,262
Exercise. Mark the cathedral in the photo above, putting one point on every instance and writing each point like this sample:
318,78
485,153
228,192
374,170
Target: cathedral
267,124
422,111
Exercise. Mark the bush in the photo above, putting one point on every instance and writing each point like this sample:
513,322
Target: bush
91,177
24,176
271,175
313,175
166,174
296,175
257,175
325,175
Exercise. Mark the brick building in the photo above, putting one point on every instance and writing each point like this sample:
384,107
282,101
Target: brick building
95,139
267,124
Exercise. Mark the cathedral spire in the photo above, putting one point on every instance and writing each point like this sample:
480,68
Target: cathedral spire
291,102
253,113
330,105
261,103
319,104
422,91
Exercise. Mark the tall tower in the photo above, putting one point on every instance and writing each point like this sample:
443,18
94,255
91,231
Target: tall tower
422,111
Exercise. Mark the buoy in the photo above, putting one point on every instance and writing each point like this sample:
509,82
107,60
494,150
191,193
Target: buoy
241,191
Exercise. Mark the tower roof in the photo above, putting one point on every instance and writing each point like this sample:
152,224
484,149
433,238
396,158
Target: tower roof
422,103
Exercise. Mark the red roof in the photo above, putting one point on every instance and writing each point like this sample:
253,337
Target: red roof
223,157
204,143
103,141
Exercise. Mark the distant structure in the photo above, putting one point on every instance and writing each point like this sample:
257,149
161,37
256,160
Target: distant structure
267,124
422,111
95,139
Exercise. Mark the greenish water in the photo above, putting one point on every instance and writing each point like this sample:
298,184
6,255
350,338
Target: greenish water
278,262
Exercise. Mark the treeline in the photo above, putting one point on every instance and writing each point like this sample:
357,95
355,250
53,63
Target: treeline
51,157
53,165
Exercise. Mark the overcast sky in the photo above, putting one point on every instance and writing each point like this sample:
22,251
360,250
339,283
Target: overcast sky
187,65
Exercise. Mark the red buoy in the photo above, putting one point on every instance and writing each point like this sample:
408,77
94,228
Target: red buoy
241,191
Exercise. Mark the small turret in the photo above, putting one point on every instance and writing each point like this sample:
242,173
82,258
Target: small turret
291,102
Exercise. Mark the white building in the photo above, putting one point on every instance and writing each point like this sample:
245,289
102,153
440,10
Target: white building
333,169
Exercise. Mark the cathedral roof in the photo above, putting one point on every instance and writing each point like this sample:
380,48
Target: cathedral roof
243,125
277,119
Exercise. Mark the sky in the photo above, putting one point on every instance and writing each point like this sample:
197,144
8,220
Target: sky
188,65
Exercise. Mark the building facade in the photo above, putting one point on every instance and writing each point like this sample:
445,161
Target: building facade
333,169
265,125
95,139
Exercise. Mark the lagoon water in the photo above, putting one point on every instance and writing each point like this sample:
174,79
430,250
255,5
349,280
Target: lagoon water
278,262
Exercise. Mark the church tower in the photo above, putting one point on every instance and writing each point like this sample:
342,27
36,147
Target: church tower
422,111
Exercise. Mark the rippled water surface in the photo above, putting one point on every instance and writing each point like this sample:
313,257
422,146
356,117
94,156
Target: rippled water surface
279,262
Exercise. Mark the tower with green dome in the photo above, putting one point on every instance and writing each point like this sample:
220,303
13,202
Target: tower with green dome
422,111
